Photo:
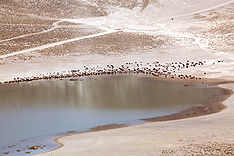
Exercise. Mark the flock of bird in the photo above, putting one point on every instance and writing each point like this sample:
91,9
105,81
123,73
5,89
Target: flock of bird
166,70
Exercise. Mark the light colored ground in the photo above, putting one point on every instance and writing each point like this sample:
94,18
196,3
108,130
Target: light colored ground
49,36
153,138
199,31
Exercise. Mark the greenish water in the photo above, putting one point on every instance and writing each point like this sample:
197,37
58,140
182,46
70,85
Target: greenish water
46,107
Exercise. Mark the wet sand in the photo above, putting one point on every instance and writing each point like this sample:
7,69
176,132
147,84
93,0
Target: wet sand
194,31
177,87
159,138
211,106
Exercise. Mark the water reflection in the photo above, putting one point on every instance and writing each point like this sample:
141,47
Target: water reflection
47,107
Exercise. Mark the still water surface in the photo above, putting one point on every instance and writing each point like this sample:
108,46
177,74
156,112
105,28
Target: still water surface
53,106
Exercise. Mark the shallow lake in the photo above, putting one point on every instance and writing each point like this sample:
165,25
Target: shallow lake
46,107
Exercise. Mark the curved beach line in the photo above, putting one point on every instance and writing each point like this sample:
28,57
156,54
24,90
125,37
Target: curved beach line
225,97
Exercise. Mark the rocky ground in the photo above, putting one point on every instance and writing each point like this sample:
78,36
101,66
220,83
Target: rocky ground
202,149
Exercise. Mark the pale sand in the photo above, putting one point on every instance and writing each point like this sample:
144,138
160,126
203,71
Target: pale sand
200,30
152,138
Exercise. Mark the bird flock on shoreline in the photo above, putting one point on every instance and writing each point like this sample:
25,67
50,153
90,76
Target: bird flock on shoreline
156,69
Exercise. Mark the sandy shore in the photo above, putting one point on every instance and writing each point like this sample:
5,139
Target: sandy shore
209,135
39,39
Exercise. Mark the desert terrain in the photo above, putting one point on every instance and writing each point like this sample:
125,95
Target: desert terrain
43,37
